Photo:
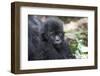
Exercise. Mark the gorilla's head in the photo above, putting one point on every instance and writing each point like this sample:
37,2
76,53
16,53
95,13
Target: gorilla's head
53,31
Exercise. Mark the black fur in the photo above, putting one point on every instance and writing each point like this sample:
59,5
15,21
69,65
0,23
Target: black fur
42,39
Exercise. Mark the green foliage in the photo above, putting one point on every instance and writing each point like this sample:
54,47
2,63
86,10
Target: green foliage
77,38
78,43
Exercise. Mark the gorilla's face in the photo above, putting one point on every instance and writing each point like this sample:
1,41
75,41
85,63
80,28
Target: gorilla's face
54,31
56,37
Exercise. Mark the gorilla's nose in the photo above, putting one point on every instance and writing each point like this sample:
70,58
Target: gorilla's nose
57,38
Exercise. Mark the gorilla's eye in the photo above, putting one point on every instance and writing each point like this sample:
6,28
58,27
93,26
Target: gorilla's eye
51,33
61,33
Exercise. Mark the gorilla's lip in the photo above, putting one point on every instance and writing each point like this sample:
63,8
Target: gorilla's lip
58,42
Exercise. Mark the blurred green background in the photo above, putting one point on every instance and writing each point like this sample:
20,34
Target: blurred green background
76,34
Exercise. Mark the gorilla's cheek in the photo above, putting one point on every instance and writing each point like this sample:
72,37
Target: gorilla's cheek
51,39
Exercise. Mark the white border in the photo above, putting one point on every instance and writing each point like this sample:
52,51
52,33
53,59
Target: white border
25,64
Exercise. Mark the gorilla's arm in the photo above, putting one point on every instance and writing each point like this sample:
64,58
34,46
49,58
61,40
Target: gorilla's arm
34,41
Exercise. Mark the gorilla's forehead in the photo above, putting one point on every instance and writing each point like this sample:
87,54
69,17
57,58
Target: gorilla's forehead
53,24
55,27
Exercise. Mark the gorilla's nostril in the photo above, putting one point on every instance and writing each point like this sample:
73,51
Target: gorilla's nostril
57,40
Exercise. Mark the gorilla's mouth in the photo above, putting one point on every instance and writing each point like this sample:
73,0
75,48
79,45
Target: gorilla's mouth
57,41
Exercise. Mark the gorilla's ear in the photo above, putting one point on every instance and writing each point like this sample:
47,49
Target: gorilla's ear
44,37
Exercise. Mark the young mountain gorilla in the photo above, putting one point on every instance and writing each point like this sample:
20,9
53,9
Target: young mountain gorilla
48,42
53,39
